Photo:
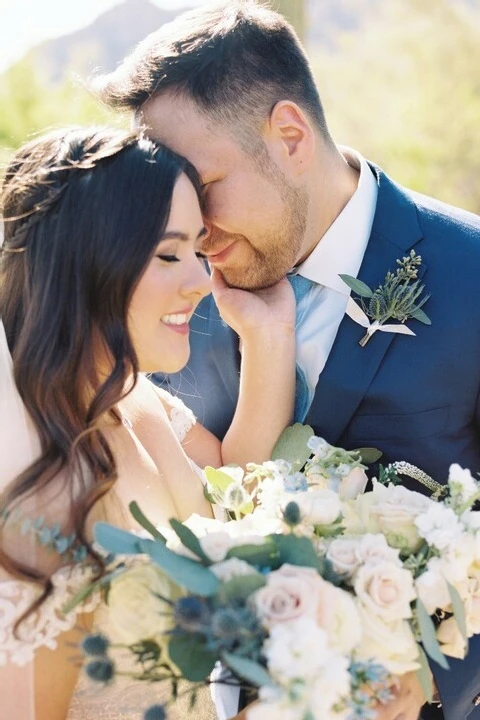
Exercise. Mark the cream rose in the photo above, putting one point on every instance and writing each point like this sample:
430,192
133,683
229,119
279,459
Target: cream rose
318,507
450,639
343,554
391,643
386,590
395,509
432,588
293,592
134,610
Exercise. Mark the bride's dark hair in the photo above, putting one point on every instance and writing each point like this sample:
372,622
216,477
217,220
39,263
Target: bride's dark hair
83,210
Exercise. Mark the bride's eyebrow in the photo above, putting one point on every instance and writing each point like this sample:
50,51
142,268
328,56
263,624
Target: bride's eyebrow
178,235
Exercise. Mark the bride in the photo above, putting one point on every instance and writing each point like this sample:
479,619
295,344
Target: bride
100,273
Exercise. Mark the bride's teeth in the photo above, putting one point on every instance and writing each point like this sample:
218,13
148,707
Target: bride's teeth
175,319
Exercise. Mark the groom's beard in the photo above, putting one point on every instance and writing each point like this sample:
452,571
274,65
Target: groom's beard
261,261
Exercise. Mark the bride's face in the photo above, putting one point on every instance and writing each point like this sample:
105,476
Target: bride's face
171,287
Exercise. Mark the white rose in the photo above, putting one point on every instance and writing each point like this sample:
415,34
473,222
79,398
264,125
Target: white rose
385,589
343,554
390,643
216,545
432,588
318,507
440,526
134,610
353,484
199,525
374,548
293,592
450,639
395,509
231,568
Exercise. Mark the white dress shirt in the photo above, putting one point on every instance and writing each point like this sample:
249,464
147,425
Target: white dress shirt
340,251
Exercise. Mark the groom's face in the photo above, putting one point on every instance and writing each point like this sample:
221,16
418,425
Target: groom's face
255,216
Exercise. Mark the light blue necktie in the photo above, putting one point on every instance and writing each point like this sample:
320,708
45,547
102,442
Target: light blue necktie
301,286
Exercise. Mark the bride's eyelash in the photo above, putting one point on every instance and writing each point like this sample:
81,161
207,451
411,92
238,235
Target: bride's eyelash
174,258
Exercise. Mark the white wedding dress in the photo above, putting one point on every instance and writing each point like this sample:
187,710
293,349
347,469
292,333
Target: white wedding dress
124,698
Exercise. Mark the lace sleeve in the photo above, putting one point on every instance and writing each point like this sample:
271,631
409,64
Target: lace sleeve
181,417
43,626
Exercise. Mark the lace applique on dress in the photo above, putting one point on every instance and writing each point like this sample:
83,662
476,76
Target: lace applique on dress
42,627
181,417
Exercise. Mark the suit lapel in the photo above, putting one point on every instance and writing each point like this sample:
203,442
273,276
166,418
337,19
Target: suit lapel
350,368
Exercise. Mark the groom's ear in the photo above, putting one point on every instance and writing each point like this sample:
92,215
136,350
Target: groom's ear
290,137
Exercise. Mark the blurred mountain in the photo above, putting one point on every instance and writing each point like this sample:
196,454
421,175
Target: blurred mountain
102,44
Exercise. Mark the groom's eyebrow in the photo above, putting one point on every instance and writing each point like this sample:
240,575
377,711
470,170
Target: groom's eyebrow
178,235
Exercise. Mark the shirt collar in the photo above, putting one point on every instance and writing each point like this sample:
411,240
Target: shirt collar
342,247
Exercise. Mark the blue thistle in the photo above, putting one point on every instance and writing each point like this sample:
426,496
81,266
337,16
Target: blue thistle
95,645
156,712
101,670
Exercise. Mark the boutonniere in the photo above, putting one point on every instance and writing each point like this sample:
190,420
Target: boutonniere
400,297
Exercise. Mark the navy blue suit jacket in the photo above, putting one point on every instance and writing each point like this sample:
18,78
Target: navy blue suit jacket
414,398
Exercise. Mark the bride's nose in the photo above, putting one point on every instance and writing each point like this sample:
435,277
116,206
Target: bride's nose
197,279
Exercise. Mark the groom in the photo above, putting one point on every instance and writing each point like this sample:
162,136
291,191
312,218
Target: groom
230,88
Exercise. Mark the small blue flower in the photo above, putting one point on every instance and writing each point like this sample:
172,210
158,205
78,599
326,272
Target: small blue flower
191,612
295,483
100,670
95,645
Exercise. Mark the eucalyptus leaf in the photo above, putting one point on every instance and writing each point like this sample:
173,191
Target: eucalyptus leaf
424,675
189,653
421,316
115,540
458,610
247,669
144,522
369,455
296,551
264,555
429,638
292,445
186,572
358,287
240,587
81,595
189,540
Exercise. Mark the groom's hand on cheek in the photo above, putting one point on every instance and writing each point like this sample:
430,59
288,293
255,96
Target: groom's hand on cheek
407,701
252,310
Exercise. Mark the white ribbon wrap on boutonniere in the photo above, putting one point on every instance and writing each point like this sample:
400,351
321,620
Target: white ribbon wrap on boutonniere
356,313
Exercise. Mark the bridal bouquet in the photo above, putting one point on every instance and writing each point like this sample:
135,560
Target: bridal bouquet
315,592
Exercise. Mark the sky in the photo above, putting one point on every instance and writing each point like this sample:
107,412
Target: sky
25,23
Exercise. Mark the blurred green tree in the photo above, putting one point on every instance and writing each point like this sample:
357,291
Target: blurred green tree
295,11
27,106
405,91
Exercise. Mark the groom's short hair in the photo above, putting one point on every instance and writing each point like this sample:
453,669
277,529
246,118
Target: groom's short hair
235,59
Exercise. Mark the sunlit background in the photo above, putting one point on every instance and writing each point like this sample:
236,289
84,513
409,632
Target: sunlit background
399,79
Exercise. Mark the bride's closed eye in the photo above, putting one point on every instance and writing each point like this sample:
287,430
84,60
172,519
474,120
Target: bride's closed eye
174,258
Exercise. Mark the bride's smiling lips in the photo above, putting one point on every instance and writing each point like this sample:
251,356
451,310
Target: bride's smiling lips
178,321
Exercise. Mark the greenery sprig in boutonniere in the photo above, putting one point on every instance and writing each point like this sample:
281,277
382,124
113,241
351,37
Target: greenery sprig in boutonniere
400,297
